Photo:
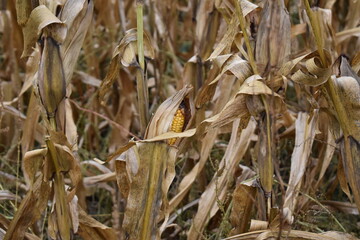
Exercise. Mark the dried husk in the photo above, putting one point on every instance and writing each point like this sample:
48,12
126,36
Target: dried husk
269,54
52,85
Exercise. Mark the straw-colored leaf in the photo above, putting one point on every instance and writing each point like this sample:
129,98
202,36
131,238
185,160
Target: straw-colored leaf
77,15
32,162
305,133
216,190
29,210
125,53
42,19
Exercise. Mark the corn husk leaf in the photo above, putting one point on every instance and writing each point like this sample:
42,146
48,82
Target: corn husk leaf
77,15
42,19
51,82
162,119
268,52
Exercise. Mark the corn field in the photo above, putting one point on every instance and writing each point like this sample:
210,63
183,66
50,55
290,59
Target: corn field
175,119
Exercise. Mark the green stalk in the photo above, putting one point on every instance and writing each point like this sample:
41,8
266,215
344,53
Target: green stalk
255,70
142,89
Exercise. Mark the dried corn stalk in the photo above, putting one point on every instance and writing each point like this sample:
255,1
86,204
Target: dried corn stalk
348,89
146,170
57,160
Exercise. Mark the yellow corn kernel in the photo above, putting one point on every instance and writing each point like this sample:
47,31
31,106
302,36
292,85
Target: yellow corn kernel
177,124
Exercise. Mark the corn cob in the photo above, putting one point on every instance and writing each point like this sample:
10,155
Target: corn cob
177,124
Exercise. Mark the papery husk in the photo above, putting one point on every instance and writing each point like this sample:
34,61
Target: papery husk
52,85
269,54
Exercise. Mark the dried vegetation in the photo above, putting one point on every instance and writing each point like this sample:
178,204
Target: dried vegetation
212,119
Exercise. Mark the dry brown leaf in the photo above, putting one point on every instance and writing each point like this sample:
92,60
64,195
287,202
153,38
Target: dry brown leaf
305,133
42,19
125,53
216,190
77,15
89,228
243,199
232,64
236,107
314,73
32,162
144,199
292,234
30,209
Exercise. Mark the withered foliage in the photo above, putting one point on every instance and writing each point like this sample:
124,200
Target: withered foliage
212,119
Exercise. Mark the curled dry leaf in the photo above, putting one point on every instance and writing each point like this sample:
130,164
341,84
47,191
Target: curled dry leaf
126,54
236,107
313,73
232,64
42,19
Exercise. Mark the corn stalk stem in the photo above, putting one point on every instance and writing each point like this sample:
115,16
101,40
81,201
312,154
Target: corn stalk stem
142,89
60,194
329,85
333,96
246,37
155,179
255,70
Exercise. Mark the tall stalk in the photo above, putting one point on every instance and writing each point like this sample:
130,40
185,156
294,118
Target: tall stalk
268,127
142,89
